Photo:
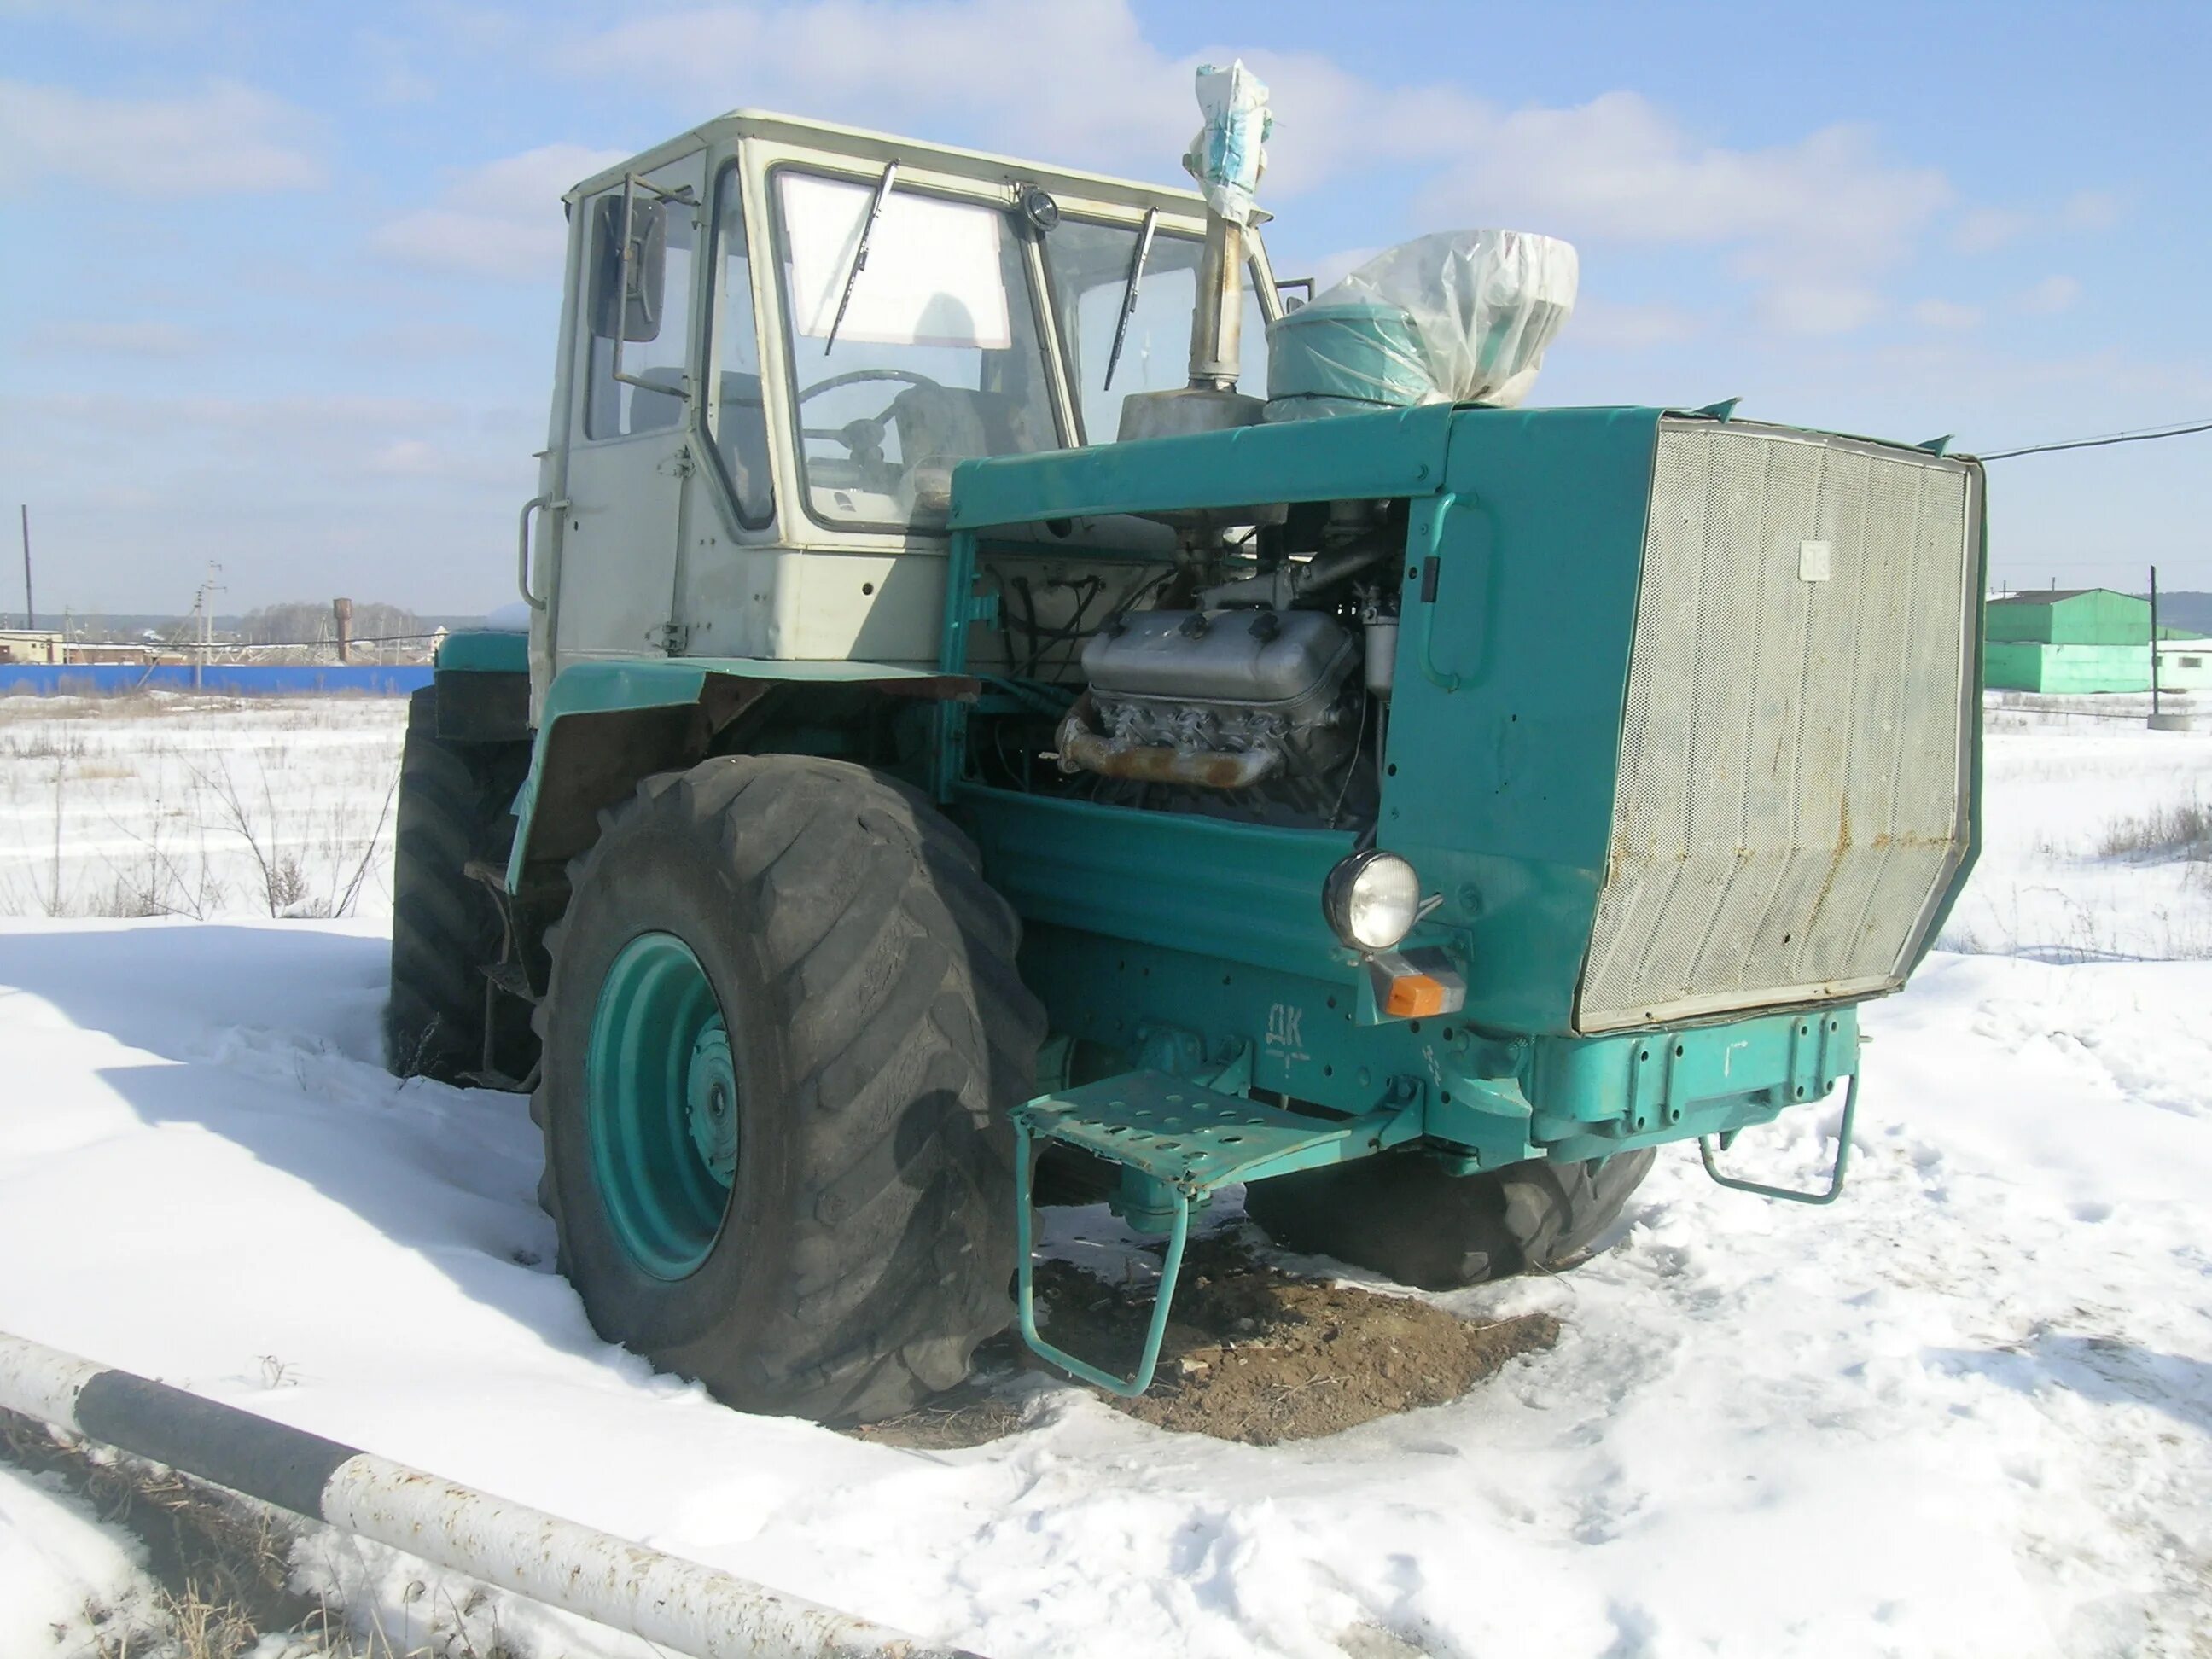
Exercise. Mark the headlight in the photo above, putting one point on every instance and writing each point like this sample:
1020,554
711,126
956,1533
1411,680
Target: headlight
1372,900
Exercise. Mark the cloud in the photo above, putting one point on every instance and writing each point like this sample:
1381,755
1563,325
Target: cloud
126,339
2090,210
1984,230
1079,79
2048,297
1809,222
428,484
502,220
1947,314
1619,168
226,139
1614,327
1817,307
388,71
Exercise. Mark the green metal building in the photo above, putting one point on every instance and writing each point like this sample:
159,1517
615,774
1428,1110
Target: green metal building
2071,640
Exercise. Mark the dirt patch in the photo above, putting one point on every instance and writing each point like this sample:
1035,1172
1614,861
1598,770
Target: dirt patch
1252,1354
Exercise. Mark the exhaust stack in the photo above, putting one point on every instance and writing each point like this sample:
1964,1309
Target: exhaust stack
1226,158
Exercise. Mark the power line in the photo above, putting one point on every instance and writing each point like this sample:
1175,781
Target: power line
2143,435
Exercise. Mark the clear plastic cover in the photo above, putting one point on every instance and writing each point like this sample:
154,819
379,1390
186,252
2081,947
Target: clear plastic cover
1229,154
1459,316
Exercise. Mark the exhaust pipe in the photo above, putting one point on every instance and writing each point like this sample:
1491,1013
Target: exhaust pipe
1082,750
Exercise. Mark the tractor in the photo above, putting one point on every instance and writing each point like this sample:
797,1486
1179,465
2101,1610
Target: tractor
1016,711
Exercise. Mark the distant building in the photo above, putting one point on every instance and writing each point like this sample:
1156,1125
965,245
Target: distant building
79,651
2185,665
30,645
2070,640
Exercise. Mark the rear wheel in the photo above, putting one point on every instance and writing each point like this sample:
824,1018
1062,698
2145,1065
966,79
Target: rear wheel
782,1037
1405,1217
455,801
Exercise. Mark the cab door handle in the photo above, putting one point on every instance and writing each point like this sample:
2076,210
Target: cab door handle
536,503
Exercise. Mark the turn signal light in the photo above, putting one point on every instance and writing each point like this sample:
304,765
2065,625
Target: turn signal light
1415,984
1415,997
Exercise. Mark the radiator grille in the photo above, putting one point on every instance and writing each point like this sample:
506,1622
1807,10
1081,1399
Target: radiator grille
1793,789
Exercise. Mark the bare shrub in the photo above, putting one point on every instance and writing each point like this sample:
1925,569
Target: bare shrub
43,745
2180,830
288,885
284,883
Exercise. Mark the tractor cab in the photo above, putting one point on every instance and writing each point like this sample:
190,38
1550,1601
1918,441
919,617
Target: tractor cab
782,336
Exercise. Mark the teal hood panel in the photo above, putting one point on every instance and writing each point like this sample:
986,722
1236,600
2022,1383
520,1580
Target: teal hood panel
1400,452
484,651
1506,710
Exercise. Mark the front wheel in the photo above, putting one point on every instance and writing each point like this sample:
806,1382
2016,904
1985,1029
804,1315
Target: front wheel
782,1033
1405,1217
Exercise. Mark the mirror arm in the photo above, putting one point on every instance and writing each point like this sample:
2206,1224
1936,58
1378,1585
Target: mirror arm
631,184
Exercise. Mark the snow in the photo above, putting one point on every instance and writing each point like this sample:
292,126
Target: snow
63,1574
1966,1410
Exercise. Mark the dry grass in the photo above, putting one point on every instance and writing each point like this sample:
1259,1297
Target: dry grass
2181,830
223,1569
145,806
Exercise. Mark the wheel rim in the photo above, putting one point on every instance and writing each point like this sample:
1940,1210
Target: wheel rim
662,1105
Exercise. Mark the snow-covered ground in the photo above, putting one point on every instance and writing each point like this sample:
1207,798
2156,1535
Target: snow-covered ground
171,806
1967,1411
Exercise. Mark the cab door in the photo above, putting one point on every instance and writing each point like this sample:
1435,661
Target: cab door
632,373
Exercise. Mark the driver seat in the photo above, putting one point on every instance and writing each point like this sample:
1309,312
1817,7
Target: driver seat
940,426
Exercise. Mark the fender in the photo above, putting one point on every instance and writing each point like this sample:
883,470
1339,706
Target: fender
605,724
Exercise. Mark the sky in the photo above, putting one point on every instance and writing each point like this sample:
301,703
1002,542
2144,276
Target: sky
279,281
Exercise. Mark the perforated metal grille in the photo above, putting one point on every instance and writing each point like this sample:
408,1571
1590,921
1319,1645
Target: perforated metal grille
1793,786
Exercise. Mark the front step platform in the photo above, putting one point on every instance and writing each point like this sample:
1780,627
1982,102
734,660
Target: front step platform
1177,1142
1182,1135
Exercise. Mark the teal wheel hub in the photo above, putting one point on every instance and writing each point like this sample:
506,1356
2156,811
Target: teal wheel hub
662,1099
710,1100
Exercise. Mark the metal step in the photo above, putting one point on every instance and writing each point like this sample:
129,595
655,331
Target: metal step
1185,1136
1177,1143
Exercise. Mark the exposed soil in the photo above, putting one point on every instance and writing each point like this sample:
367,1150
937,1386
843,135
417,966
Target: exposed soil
1252,1354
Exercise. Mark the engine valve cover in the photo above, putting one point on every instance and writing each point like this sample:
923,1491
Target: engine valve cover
1275,660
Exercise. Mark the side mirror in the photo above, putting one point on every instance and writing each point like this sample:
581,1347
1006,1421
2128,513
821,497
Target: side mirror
627,294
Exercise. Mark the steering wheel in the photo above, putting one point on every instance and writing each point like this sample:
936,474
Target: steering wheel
864,438
856,376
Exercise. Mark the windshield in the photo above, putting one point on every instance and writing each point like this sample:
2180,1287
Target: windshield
927,354
1089,267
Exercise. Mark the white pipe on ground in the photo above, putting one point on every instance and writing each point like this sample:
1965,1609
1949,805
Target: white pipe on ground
681,1605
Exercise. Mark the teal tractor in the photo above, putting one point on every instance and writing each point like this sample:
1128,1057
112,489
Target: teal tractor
977,743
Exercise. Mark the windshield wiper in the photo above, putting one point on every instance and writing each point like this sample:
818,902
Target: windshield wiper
1130,294
860,254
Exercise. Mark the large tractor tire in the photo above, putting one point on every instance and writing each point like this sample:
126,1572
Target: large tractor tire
455,801
782,1035
1405,1217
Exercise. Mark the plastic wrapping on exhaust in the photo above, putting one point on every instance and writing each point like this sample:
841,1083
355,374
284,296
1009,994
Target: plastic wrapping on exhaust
1461,316
1229,154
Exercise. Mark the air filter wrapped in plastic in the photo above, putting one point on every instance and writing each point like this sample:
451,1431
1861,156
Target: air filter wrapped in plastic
1230,152
1461,316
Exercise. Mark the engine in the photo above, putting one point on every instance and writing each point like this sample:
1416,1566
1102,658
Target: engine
1257,713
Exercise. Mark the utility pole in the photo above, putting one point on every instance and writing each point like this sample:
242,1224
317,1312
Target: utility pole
2154,645
206,619
30,613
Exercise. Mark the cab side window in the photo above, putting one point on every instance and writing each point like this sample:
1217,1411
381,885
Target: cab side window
647,300
737,418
